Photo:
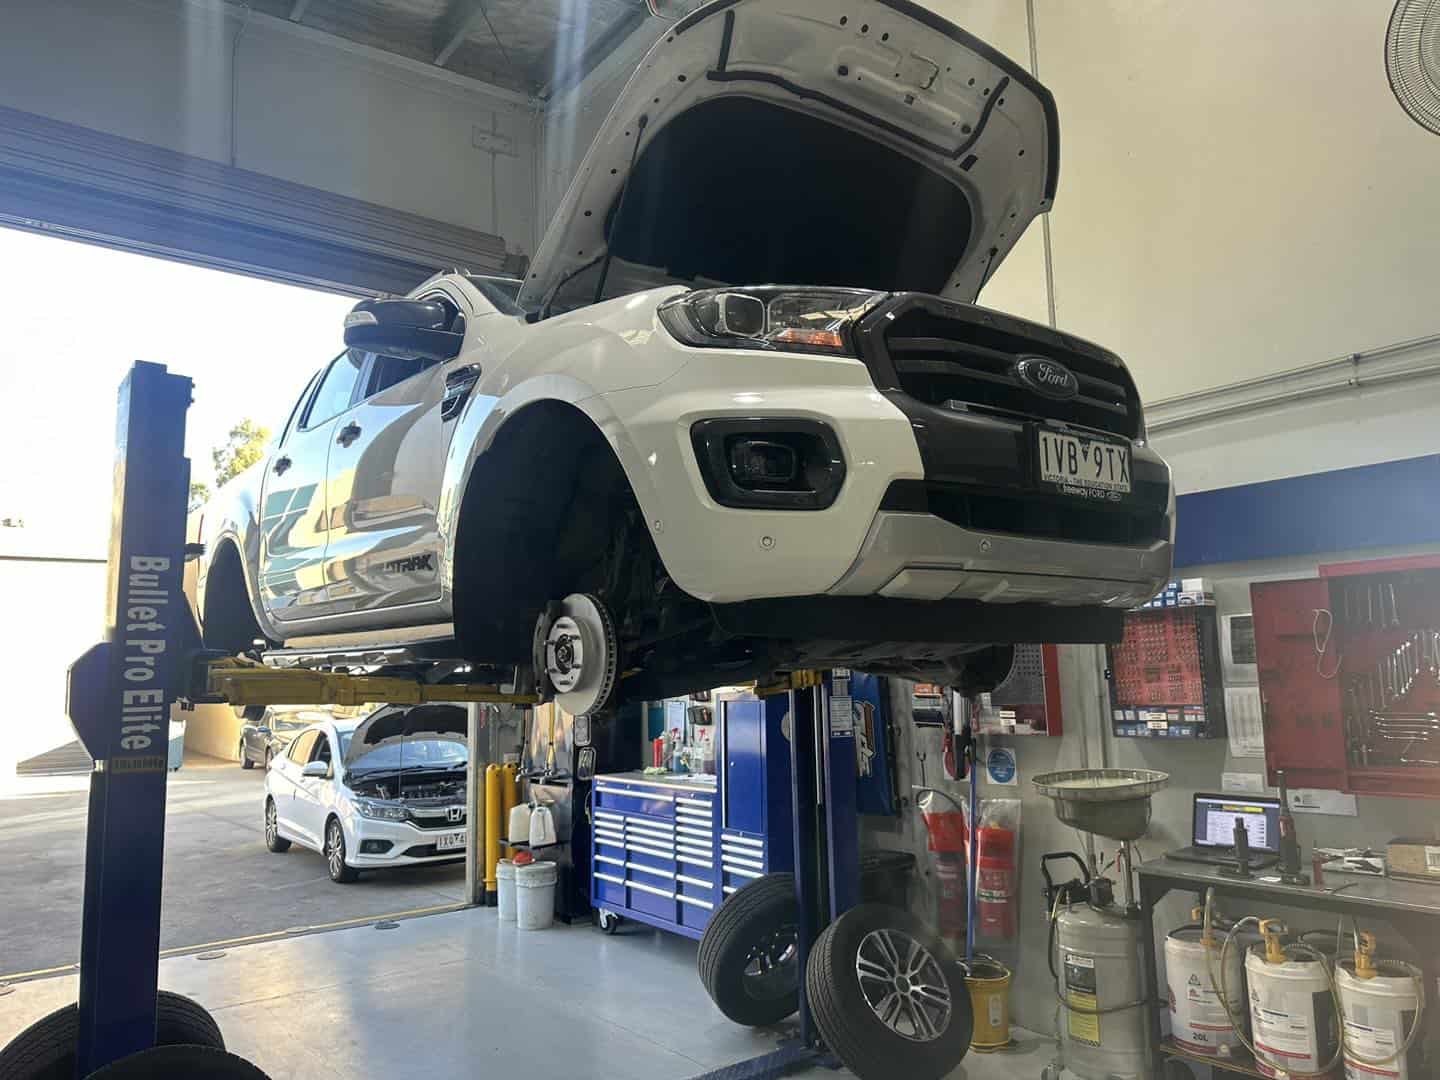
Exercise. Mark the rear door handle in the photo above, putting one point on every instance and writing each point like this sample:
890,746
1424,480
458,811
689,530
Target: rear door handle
281,464
348,434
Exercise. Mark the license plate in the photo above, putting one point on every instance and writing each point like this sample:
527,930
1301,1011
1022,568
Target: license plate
450,841
1090,468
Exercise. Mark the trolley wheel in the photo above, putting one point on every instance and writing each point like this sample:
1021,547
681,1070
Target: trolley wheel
748,955
888,996
607,921
46,1049
181,1063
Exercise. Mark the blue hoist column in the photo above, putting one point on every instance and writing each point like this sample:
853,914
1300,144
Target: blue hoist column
119,699
819,721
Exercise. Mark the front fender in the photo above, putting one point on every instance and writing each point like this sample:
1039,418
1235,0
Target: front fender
233,516
481,423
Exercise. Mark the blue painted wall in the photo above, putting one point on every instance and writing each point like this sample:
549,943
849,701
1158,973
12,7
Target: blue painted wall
1393,504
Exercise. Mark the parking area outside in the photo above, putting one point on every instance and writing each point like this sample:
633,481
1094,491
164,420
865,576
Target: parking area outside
220,882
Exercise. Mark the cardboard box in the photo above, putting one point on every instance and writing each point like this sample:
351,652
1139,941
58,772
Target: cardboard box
1414,858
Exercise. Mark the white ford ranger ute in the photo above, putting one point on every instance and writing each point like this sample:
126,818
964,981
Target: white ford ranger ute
742,414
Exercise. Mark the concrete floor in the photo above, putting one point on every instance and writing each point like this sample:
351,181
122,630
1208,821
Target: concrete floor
220,882
458,994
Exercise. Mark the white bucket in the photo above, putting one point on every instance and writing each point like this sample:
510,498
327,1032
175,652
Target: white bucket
1378,1015
1292,1016
505,890
1197,1015
535,895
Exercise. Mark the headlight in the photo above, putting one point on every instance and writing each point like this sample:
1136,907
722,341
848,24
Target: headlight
374,808
769,317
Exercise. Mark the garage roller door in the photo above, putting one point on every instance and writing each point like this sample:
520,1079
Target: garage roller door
78,182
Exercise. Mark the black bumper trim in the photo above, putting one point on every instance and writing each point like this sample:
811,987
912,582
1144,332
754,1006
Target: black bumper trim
881,618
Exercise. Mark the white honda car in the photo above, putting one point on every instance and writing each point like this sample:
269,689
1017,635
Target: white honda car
386,790
741,415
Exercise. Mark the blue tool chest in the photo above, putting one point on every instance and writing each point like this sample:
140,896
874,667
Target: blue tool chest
667,852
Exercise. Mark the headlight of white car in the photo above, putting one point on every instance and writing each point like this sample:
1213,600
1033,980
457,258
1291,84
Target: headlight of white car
382,811
769,317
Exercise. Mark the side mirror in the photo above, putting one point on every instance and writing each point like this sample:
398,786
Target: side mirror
318,769
413,328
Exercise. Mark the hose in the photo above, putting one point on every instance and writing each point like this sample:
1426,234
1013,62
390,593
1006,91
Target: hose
1342,1050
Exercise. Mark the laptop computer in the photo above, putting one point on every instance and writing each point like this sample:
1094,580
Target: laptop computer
1213,829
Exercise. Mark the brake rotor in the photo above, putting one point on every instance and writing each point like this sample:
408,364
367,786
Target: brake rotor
579,653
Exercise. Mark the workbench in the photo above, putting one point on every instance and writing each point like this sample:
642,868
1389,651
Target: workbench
1410,908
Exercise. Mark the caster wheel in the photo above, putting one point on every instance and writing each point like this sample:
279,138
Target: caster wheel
607,921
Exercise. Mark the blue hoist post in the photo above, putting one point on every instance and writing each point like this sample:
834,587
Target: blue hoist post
823,818
119,699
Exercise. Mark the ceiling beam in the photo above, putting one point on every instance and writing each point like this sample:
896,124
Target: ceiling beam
603,46
297,10
460,18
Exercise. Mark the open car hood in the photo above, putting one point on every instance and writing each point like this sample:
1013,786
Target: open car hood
869,144
387,726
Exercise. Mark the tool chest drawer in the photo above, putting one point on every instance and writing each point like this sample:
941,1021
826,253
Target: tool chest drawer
634,798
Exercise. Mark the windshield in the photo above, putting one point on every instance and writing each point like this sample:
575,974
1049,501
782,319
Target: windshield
499,291
417,753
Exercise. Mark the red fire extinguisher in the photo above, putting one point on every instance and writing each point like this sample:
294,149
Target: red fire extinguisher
948,842
995,884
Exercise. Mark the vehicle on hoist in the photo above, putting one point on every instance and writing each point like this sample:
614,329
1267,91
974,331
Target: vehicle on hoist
636,466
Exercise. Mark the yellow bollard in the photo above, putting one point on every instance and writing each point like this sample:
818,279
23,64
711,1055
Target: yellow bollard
509,796
493,828
989,986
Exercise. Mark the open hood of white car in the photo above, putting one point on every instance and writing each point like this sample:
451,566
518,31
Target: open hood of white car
870,143
390,725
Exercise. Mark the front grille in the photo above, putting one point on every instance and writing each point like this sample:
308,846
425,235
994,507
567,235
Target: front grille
1027,516
968,359
437,822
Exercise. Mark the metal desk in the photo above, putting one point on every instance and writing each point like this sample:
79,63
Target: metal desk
1412,908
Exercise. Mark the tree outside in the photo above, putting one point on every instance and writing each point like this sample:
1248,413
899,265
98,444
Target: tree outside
241,449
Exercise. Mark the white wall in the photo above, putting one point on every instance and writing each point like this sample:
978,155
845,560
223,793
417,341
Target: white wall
54,611
1239,191
308,108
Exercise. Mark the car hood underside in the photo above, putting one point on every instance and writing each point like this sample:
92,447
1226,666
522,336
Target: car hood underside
868,144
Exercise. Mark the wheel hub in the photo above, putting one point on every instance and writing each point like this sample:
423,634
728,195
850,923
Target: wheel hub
903,985
579,653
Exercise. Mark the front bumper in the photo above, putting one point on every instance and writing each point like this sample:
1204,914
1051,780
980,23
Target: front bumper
939,501
408,845
923,557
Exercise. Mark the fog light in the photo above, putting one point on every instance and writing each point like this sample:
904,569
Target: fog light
779,463
763,463
375,847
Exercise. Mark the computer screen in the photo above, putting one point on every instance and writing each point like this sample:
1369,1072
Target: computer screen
1215,821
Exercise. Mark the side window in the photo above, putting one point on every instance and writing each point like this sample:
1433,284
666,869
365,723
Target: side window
295,409
299,751
322,749
386,371
336,388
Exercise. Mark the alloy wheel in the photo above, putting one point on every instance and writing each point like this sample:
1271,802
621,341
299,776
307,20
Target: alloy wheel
272,823
335,849
903,985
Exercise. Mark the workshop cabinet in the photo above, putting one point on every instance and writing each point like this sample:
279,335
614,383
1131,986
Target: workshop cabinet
667,851
1349,672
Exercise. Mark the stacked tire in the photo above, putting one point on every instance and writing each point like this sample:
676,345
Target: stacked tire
886,994
888,997
748,954
188,1043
